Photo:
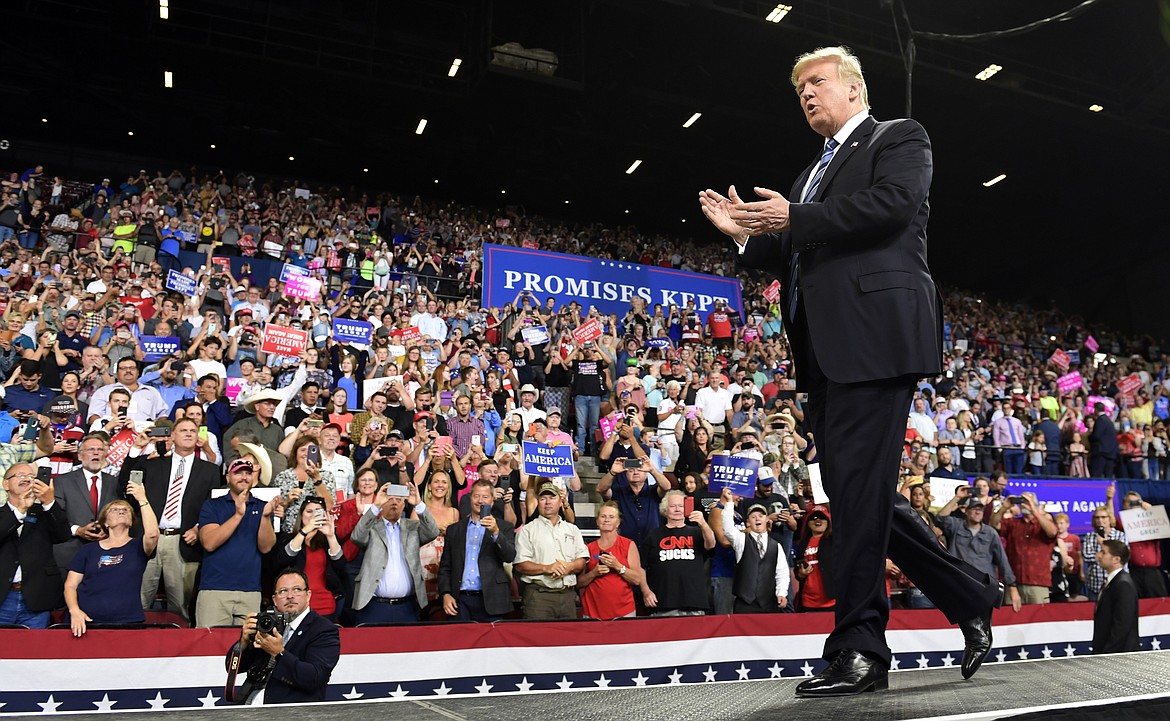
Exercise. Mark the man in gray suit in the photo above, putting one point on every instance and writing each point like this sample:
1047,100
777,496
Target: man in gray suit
390,586
82,493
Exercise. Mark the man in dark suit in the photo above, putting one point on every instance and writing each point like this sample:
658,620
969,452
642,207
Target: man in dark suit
177,484
1115,618
1103,446
294,667
30,523
82,493
862,316
479,591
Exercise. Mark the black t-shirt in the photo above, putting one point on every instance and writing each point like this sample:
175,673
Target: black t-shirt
676,568
401,419
588,378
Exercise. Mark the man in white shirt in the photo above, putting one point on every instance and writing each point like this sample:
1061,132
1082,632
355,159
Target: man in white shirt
430,324
340,466
761,568
391,588
714,402
146,403
208,362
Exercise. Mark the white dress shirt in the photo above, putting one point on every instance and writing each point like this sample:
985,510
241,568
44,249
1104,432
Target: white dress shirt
174,522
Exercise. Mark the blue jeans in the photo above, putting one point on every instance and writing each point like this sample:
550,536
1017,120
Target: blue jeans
588,413
28,239
917,599
14,611
1013,461
6,233
722,599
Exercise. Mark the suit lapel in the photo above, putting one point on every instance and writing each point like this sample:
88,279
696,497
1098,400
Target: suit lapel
859,135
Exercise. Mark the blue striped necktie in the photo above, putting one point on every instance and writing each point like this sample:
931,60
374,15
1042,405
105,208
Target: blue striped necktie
794,268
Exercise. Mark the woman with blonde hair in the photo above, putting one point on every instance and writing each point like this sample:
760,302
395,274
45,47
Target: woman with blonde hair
613,570
105,577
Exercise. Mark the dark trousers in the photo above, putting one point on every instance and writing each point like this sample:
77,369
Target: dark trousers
859,428
471,609
757,607
376,612
1100,466
1149,581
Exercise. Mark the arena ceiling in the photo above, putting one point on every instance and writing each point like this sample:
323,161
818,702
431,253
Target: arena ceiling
341,85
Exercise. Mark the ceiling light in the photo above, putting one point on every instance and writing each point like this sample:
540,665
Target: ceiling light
627,211
691,121
213,146
566,202
454,67
633,167
168,79
422,125
994,180
129,132
684,220
778,13
291,158
44,120
164,9
365,170
502,192
436,180
1096,108
987,72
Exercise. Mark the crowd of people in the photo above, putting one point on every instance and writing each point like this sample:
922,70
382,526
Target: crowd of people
390,474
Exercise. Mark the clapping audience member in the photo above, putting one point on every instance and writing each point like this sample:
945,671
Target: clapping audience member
550,552
105,577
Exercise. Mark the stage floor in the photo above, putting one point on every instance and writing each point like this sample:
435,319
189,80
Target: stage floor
997,691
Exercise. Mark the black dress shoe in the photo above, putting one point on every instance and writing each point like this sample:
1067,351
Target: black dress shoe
850,673
977,638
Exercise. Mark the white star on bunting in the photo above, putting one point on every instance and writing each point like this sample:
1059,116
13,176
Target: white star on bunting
807,668
1047,652
948,660
105,704
894,663
399,693
776,670
1001,656
564,684
1155,644
158,702
209,700
1070,651
484,687
353,694
442,690
602,682
524,686
675,678
49,706
640,680
1023,654
710,674
923,661
744,672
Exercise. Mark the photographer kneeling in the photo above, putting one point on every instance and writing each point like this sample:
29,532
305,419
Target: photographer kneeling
289,653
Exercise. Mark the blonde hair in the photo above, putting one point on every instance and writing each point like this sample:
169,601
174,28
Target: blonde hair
848,67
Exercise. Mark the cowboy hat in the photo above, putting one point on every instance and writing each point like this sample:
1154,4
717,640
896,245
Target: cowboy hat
261,455
264,395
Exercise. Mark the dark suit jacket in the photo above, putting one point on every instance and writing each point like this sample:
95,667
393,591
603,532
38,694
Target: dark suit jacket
32,550
497,592
302,672
1115,619
1103,439
864,279
72,492
157,478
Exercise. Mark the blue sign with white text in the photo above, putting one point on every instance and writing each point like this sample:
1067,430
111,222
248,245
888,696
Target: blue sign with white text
738,474
607,284
288,270
351,331
1076,497
158,347
549,461
180,283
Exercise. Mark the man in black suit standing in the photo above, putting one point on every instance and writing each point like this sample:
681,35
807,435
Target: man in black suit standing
82,493
863,319
30,523
176,483
293,667
1115,619
1103,446
479,590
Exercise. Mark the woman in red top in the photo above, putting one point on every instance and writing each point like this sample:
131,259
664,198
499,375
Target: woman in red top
313,548
813,558
612,569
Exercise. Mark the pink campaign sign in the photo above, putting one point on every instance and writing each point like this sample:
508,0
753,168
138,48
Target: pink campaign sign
1069,382
1060,359
232,388
1091,344
303,287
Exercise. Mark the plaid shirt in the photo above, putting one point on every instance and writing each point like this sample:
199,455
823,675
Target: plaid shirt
1094,574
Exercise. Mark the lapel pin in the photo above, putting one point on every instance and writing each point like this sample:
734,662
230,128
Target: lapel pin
855,144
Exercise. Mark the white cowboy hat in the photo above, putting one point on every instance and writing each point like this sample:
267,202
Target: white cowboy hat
264,395
260,455
529,388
